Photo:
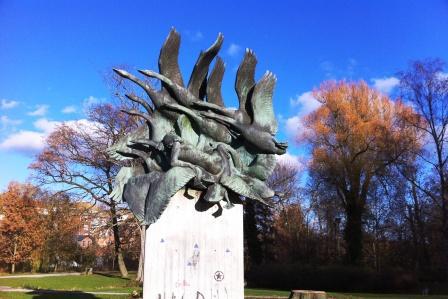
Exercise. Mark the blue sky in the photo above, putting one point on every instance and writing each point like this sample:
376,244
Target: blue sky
53,54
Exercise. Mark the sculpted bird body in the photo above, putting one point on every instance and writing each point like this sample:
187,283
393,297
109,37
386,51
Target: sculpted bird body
191,140
263,126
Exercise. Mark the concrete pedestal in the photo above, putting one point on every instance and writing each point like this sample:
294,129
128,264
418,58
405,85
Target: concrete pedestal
191,254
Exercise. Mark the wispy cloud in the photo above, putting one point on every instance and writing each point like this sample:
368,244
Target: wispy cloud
327,67
69,109
5,121
91,100
8,104
194,36
386,84
41,110
344,70
351,66
233,49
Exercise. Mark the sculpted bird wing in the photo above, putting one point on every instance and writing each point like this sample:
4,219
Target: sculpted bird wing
261,104
168,58
245,78
122,177
136,190
200,69
262,166
238,185
214,82
161,192
185,130
259,187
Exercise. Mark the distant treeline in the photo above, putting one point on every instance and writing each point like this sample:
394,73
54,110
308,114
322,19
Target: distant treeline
373,213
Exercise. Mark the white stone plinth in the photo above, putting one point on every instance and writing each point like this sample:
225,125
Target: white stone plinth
194,255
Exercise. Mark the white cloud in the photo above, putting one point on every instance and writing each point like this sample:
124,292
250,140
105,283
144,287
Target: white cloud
385,85
45,125
41,110
29,142
294,125
6,121
24,142
69,109
8,104
84,125
307,103
233,49
290,160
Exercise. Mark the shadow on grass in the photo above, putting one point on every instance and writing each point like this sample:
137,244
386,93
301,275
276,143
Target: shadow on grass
53,294
113,275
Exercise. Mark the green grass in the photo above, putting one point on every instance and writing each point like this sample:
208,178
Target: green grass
111,282
11,295
95,282
382,296
263,292
256,293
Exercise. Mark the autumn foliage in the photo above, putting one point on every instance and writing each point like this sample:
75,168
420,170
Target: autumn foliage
21,227
355,135
37,229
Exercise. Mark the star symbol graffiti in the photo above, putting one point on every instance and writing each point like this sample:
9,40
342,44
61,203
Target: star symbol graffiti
219,276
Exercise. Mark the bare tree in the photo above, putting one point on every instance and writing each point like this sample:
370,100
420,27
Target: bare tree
425,85
75,160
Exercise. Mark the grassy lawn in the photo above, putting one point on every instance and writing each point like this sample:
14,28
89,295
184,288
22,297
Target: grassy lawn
114,283
262,292
96,282
383,296
4,295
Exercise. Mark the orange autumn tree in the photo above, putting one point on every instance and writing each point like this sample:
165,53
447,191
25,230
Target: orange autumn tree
21,226
355,136
61,225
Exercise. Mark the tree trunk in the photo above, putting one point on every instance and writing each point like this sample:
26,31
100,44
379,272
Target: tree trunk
13,265
141,259
251,234
117,243
353,230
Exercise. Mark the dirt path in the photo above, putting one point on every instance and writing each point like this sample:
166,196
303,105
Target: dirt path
38,275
